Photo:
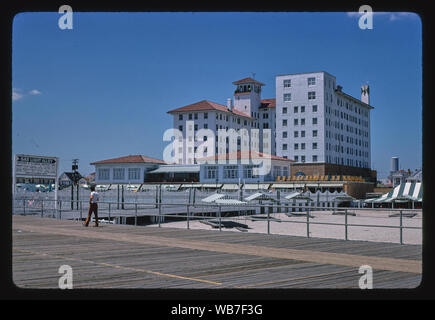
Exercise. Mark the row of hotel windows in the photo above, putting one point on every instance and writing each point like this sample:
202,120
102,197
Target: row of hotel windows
296,109
349,162
340,137
344,115
287,97
311,81
296,134
340,126
296,122
220,116
349,150
296,146
119,174
232,171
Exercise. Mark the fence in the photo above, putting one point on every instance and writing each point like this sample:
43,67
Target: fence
213,214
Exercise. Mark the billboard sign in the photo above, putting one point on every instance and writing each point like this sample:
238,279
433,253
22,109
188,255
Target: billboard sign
36,166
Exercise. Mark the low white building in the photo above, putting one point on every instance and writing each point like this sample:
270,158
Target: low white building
220,169
131,169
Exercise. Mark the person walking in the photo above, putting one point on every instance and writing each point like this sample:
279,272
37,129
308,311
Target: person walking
93,207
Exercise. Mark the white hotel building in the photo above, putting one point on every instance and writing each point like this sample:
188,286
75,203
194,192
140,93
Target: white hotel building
311,121
246,110
317,123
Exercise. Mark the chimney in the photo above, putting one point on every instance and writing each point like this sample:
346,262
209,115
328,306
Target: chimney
365,94
230,104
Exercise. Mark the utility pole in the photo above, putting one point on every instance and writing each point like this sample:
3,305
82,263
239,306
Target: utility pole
76,178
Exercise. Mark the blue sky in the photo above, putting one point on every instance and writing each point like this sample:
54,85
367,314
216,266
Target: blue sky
102,89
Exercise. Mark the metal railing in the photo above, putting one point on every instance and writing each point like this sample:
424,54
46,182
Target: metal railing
204,211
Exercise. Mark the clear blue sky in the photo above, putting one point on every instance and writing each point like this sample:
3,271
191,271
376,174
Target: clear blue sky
102,89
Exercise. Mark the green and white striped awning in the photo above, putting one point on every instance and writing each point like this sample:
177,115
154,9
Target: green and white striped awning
408,191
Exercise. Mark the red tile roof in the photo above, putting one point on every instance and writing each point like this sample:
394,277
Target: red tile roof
248,80
251,154
268,103
205,105
131,159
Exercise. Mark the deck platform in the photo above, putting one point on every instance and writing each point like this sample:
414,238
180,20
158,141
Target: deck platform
126,256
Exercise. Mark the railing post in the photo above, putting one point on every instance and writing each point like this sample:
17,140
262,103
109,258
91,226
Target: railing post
60,209
81,210
308,222
109,211
135,214
219,211
187,214
268,221
42,208
345,224
401,228
24,206
160,212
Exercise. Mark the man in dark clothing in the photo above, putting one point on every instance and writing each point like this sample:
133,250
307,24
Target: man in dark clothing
93,207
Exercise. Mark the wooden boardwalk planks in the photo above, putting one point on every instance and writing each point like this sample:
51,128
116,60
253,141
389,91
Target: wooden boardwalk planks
121,256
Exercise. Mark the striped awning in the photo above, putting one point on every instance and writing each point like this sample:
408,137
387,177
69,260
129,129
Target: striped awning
214,197
259,196
408,191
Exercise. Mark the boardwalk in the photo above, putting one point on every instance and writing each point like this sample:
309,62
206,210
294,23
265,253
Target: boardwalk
125,256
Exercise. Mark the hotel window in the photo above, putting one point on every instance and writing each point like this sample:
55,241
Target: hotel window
295,109
302,146
311,81
314,158
302,134
295,122
284,123
284,110
296,159
287,97
231,172
180,128
311,95
205,115
118,174
205,126
133,173
314,108
284,134
314,120
303,158
195,127
302,108
314,133
265,125
195,116
103,174
302,122
190,116
296,134
314,145
287,83
284,147
211,172
285,171
296,146
248,171
180,117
